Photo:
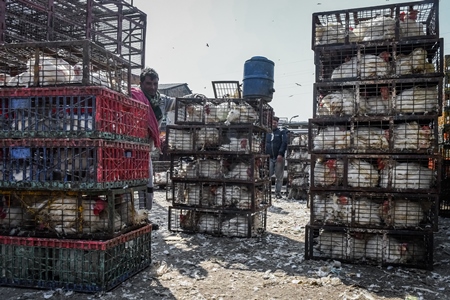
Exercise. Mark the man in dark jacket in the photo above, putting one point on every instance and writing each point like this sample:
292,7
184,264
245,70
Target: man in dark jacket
276,143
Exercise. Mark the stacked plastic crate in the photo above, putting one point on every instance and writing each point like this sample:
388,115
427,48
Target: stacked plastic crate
74,151
220,183
298,162
375,167
444,143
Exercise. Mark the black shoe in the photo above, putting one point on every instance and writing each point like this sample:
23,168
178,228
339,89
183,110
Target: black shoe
278,196
155,227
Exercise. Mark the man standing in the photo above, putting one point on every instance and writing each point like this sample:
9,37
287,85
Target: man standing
276,144
159,106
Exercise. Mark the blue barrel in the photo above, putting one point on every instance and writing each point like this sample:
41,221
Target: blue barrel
258,78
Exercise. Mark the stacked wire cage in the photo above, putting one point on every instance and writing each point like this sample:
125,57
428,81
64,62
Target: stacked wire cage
298,162
74,151
444,143
219,179
375,164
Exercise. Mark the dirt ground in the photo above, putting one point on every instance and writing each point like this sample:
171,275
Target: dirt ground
186,266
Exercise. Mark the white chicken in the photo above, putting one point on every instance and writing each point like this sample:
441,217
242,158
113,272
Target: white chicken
376,105
332,33
331,209
206,137
362,174
239,196
332,137
366,212
241,145
208,223
389,249
332,244
378,28
412,136
368,66
370,138
409,25
408,175
217,113
241,171
413,63
238,226
417,100
180,139
209,168
401,213
337,103
327,173
12,216
241,113
51,70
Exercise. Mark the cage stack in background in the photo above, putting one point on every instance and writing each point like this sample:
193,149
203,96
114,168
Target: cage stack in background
375,164
74,146
219,180
298,163
444,143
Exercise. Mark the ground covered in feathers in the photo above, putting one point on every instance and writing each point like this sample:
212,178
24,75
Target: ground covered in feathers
186,266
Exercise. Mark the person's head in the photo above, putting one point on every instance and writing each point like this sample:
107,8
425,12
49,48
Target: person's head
149,79
275,122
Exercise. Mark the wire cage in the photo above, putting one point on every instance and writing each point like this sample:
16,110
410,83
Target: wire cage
409,248
116,26
375,210
83,164
413,134
78,265
79,62
71,215
232,224
227,89
394,22
238,139
72,112
223,196
376,173
250,168
419,59
226,111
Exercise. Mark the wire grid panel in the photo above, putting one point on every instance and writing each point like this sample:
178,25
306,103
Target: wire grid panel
117,26
235,139
72,164
398,248
224,196
72,112
78,62
371,63
227,89
415,134
97,215
79,265
226,111
401,21
372,210
231,224
248,168
376,173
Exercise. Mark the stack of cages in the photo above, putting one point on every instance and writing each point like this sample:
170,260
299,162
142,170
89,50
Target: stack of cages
74,154
219,178
375,165
444,143
298,164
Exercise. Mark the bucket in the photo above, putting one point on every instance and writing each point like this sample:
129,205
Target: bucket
258,78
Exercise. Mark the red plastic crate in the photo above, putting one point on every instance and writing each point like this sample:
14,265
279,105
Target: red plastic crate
77,112
74,164
79,265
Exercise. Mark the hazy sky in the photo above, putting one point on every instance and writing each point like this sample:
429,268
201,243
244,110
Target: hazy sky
178,32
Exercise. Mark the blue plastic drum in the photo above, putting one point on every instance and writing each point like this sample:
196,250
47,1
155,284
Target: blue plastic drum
258,78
